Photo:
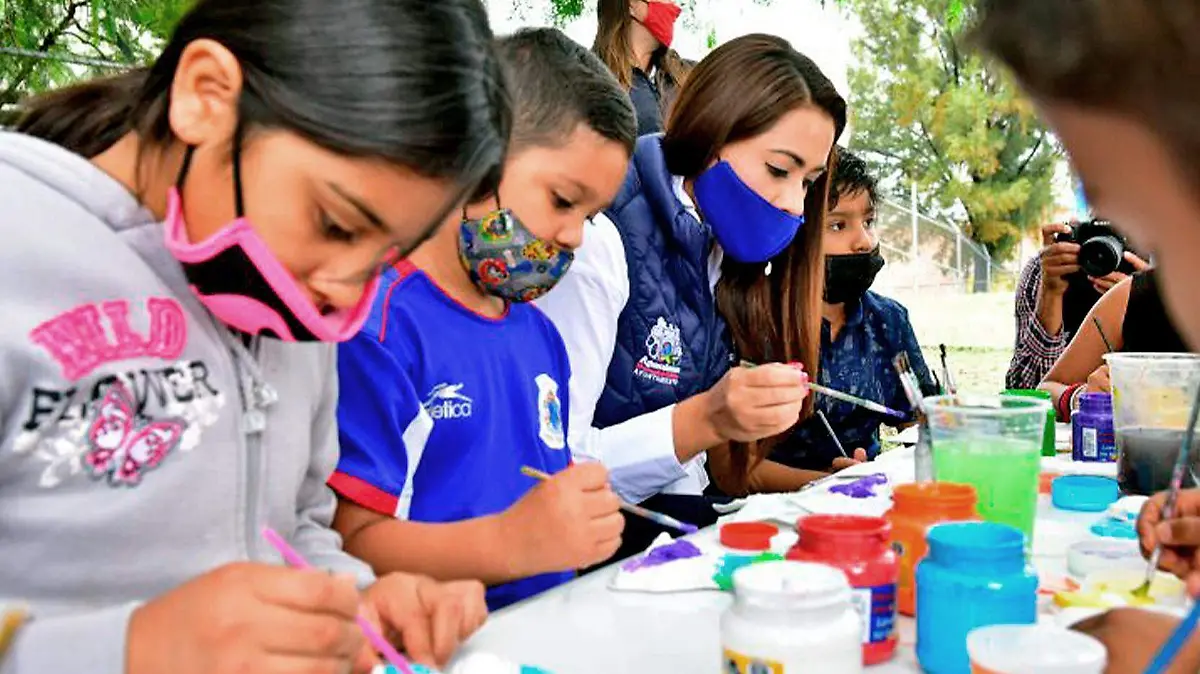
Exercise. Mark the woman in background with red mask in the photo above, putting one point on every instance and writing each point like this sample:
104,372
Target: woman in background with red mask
634,40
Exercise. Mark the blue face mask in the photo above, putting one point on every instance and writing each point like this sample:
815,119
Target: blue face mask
747,226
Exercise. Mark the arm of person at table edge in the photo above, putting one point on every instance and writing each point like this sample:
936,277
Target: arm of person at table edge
1040,336
471,549
1083,359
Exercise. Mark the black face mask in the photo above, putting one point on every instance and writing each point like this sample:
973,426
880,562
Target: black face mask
847,277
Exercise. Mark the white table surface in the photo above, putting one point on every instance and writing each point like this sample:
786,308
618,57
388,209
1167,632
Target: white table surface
583,627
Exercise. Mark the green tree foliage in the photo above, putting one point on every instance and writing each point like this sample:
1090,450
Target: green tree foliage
932,112
76,36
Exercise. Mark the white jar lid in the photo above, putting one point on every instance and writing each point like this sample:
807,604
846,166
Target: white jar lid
788,584
1104,554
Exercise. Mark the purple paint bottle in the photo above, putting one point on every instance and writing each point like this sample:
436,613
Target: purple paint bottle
1092,434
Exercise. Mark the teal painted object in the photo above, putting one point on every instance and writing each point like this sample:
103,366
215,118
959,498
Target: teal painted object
422,669
731,563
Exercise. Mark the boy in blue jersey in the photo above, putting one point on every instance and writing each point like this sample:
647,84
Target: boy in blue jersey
456,382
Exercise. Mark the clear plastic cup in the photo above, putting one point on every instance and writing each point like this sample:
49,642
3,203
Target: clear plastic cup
1152,400
993,443
1034,649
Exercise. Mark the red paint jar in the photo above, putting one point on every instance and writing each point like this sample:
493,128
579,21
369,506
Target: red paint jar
861,548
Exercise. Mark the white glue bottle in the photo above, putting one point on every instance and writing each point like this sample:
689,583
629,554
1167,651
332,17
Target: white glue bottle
791,617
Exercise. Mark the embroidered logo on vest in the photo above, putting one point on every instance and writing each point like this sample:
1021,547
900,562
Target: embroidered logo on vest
664,352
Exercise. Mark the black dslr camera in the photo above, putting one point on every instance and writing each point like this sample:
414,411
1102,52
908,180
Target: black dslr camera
1101,247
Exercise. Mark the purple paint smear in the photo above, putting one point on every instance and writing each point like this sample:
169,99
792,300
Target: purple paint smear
863,487
679,549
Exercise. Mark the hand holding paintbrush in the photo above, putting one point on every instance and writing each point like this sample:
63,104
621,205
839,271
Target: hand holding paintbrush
657,518
747,404
1166,506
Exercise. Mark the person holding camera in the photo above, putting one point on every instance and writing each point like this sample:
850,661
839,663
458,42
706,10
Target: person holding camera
1079,263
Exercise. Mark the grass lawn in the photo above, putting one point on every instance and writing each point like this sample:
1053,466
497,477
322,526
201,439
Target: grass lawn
978,331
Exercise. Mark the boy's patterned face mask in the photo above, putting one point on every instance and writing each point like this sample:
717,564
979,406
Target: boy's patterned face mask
505,259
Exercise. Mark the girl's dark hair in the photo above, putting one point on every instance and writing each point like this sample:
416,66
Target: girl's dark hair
739,91
1136,58
852,176
614,49
414,82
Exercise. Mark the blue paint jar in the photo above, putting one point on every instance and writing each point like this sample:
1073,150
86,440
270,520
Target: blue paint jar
1092,434
974,575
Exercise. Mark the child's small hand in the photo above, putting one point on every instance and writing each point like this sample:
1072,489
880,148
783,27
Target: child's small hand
248,618
860,456
1180,536
570,521
1099,380
427,618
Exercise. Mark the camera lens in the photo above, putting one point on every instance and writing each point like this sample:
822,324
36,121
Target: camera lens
1101,255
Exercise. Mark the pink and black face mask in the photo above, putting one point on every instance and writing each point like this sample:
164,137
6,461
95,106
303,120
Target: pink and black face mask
243,284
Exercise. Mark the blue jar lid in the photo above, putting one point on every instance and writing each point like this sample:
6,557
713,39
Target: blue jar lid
975,541
1084,493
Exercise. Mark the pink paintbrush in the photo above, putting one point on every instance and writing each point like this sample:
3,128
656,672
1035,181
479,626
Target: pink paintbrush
293,558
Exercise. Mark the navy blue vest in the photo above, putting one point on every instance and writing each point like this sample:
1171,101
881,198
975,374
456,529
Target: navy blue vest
671,343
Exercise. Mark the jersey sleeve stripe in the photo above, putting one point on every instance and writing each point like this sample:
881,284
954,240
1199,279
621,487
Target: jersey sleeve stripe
415,437
363,493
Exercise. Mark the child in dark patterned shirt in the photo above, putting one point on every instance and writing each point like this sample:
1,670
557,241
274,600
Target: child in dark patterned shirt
862,331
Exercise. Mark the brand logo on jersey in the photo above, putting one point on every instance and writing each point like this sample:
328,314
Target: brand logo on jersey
550,412
446,401
664,352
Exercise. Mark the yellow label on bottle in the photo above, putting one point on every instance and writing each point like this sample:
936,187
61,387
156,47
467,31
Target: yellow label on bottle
736,663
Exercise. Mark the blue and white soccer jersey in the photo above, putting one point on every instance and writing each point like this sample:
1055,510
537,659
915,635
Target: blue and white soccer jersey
439,407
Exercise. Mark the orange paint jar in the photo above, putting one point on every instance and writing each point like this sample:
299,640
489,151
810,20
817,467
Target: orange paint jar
915,508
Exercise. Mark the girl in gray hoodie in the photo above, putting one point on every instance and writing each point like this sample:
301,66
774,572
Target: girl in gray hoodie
178,248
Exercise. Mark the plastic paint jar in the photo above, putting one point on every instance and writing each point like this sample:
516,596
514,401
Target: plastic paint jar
975,575
1092,435
1034,649
1048,443
917,507
791,617
861,547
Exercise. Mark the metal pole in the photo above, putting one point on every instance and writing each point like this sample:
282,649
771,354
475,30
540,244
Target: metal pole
989,269
958,256
916,254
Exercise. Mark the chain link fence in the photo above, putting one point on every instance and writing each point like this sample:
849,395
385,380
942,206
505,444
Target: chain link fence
928,254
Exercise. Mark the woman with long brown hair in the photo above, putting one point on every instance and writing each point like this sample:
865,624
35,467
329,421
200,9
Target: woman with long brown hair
710,255
633,38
